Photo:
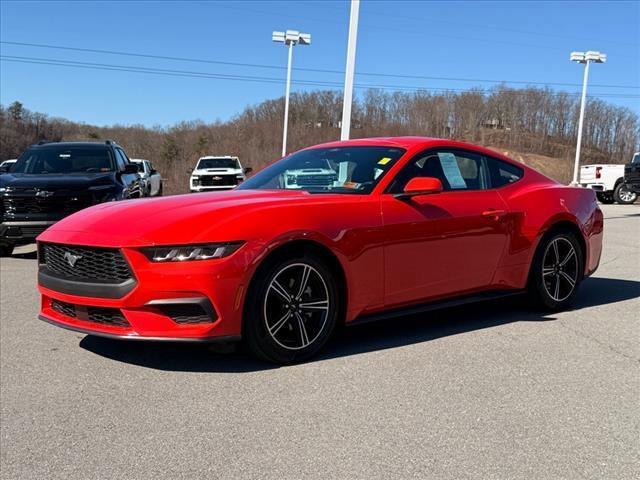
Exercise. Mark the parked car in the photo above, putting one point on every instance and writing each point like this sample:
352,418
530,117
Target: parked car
217,173
608,183
414,224
319,174
151,179
632,175
6,165
52,180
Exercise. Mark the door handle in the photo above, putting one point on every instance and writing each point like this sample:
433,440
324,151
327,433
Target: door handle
494,214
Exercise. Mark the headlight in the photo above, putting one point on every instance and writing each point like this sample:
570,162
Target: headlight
291,179
185,253
195,180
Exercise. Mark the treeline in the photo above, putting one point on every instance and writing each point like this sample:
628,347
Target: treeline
530,120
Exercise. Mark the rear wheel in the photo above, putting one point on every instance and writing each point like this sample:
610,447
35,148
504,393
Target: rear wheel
6,250
623,195
557,271
292,309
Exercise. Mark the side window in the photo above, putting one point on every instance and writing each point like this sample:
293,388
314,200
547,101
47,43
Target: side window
455,169
503,173
121,159
124,155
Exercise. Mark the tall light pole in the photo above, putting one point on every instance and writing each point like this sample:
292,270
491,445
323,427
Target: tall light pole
347,97
290,38
586,58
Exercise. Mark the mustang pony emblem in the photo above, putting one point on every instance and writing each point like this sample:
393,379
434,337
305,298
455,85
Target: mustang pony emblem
71,258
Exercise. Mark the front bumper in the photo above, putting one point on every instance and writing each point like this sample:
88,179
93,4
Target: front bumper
219,283
201,188
21,232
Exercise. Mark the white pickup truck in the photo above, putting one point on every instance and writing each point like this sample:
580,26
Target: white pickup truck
217,173
608,183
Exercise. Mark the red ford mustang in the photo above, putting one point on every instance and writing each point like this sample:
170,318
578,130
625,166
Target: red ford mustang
341,232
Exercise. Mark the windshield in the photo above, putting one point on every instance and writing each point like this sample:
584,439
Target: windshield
218,163
327,170
636,158
42,161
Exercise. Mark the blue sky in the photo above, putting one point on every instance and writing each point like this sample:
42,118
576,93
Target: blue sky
473,41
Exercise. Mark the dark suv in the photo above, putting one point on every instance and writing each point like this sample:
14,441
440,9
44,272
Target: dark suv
632,174
52,180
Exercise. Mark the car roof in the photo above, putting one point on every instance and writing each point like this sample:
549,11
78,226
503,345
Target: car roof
73,144
207,157
413,142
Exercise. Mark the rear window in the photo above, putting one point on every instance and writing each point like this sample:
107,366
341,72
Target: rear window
503,173
68,160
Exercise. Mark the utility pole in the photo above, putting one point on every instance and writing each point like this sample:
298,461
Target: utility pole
347,99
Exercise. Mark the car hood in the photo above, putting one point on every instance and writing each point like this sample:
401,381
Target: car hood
213,171
54,181
179,219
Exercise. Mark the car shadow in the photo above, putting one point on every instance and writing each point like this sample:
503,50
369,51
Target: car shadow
398,332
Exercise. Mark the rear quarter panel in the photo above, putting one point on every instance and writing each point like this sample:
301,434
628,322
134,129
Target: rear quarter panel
535,207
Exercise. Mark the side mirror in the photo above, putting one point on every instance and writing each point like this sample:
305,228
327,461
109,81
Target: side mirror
420,186
153,171
131,168
248,170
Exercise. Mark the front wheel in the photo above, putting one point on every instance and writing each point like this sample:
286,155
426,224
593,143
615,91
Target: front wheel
6,250
292,309
623,195
556,271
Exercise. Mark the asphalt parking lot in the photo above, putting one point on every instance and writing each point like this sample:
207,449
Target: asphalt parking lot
493,391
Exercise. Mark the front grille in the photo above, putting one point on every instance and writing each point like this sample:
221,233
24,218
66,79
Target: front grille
107,316
64,204
186,313
95,265
104,316
315,179
218,180
64,308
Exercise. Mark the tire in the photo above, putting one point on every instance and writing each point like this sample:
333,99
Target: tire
283,322
6,250
605,198
159,192
623,195
556,274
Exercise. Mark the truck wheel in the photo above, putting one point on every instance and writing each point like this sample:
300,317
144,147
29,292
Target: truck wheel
159,193
623,195
604,198
6,250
